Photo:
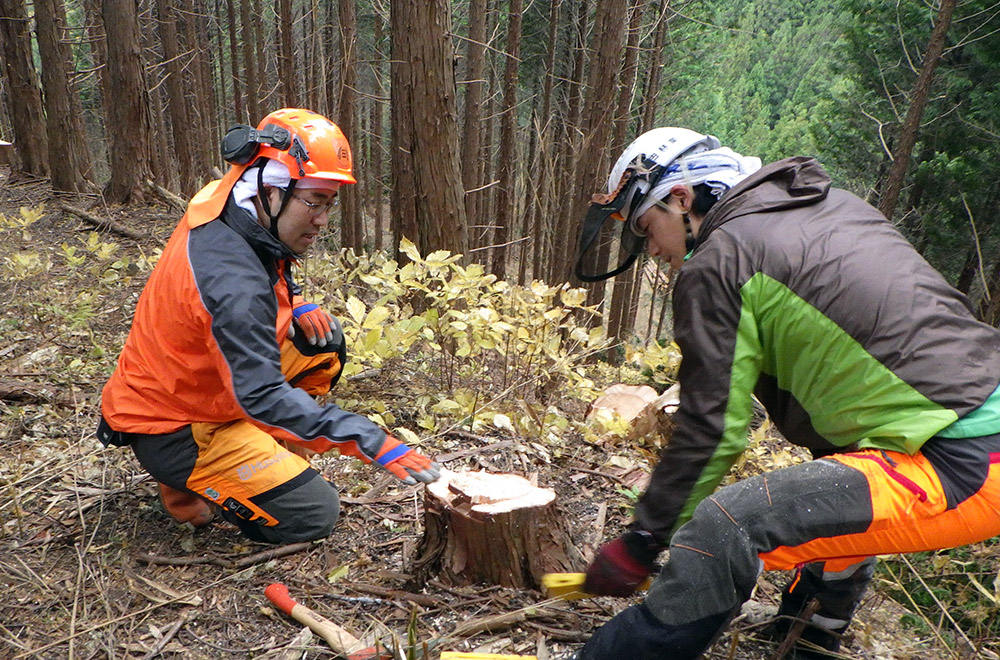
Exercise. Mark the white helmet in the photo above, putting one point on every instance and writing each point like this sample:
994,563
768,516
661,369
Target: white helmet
660,146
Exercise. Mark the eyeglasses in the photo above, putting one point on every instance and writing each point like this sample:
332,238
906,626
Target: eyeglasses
317,209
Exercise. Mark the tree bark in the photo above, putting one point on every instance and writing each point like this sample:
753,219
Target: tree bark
202,106
129,153
918,101
286,56
69,159
472,126
540,201
250,64
24,95
621,290
482,528
427,57
352,232
592,158
403,217
562,265
651,99
375,166
234,65
508,142
177,104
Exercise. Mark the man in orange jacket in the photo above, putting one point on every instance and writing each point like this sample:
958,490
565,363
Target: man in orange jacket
212,389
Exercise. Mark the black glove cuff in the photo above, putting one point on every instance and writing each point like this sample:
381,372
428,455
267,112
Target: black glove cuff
643,547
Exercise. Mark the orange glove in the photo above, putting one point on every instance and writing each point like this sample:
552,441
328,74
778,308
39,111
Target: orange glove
316,324
407,464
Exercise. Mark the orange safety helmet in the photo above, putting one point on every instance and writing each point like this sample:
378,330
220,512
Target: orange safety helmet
307,143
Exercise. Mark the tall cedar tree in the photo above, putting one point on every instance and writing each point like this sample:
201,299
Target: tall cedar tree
129,155
506,198
24,94
177,96
427,117
352,232
69,159
472,129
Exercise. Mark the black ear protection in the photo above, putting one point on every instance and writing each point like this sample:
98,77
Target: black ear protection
241,143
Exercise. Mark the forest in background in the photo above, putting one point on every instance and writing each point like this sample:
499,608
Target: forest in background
483,127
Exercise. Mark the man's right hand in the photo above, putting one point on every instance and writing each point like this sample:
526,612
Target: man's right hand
622,565
409,465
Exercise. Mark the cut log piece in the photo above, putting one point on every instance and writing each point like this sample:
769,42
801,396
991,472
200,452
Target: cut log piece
493,529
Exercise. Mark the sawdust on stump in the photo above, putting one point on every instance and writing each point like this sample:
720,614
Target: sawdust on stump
493,529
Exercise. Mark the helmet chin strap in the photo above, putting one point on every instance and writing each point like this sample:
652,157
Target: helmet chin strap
689,238
266,204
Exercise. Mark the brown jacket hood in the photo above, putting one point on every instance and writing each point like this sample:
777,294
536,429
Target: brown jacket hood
782,185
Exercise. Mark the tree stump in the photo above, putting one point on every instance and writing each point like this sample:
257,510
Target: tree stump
494,529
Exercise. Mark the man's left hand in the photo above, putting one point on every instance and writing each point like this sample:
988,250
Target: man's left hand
316,325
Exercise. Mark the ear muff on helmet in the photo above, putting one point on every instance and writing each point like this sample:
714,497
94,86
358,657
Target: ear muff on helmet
242,143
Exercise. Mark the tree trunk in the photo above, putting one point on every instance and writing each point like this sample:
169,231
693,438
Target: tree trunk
651,98
428,55
404,183
351,227
234,65
69,159
911,124
202,106
250,64
598,117
508,142
286,56
562,265
177,104
472,127
540,200
374,175
24,95
621,291
129,152
482,528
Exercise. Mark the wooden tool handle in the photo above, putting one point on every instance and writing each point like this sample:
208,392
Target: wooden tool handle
339,639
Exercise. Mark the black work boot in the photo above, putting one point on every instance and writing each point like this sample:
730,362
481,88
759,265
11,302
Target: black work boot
835,602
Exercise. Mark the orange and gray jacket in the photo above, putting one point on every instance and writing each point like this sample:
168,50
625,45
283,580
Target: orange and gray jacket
805,296
205,341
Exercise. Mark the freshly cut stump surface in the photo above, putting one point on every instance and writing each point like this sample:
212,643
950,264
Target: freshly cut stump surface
493,529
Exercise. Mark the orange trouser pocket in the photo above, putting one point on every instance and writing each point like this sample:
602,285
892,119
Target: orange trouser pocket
237,461
909,514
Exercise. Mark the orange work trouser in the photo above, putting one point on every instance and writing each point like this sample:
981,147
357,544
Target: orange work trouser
265,487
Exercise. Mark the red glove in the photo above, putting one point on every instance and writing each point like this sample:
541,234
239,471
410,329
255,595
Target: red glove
408,464
316,324
622,565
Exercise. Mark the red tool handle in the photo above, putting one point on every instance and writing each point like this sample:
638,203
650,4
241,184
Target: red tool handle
339,639
278,594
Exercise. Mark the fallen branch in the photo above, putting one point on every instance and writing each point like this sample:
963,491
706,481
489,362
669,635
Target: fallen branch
243,562
20,392
496,622
394,594
273,553
102,223
167,196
